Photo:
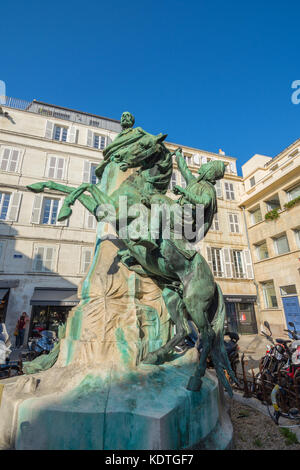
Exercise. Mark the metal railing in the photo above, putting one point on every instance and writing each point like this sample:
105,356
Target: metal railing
58,112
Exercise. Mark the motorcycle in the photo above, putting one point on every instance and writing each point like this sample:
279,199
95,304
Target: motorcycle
231,346
275,361
42,344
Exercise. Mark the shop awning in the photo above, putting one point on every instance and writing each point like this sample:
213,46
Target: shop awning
3,293
64,297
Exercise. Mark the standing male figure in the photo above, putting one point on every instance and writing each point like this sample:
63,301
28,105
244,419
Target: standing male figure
20,329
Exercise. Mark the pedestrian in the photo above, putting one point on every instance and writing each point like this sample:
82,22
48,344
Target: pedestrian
20,329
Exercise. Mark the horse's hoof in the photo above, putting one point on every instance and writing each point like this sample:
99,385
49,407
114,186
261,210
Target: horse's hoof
64,213
36,187
194,384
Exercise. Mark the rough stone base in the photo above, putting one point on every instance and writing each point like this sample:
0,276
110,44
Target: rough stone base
147,408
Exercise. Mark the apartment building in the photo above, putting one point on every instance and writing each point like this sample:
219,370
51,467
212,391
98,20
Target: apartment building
42,261
271,203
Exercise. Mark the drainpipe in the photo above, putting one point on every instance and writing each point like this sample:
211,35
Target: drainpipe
254,281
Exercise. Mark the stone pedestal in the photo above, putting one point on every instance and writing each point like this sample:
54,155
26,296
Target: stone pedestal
147,408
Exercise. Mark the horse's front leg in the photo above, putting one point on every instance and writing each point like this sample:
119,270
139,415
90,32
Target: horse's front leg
85,200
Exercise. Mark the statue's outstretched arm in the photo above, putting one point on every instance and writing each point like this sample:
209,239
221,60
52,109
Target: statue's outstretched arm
183,168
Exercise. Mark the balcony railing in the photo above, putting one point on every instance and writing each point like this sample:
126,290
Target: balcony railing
58,112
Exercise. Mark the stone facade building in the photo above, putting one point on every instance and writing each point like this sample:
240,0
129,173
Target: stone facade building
42,261
271,202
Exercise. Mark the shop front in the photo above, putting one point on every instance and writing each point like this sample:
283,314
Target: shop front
240,314
50,308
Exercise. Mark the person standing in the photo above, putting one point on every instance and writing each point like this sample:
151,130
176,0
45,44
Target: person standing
20,329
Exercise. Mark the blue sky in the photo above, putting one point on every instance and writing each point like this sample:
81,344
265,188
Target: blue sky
210,74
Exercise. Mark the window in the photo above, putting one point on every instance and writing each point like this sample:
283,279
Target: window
55,167
9,160
252,181
293,193
60,133
49,211
234,223
288,290
188,160
269,294
86,259
9,205
45,211
281,245
44,259
89,175
262,251
215,223
273,203
99,141
237,263
196,159
256,216
4,205
217,262
229,190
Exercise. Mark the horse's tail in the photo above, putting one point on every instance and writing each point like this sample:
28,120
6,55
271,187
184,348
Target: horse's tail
219,353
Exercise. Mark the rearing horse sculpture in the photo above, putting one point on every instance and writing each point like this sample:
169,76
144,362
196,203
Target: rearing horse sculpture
187,284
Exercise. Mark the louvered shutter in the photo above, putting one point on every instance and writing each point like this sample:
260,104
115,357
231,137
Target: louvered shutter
13,165
108,141
90,220
72,135
5,159
49,130
38,259
64,222
86,259
89,140
86,171
37,208
209,257
49,259
227,262
60,166
219,189
14,206
51,165
248,264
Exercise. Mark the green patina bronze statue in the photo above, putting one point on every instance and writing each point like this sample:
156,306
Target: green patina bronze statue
184,277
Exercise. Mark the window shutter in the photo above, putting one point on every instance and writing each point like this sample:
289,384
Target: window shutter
248,264
227,262
14,206
37,207
90,220
51,164
65,222
209,257
38,259
108,141
5,159
60,166
89,140
219,189
49,259
72,135
86,171
14,160
86,259
49,130
203,159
